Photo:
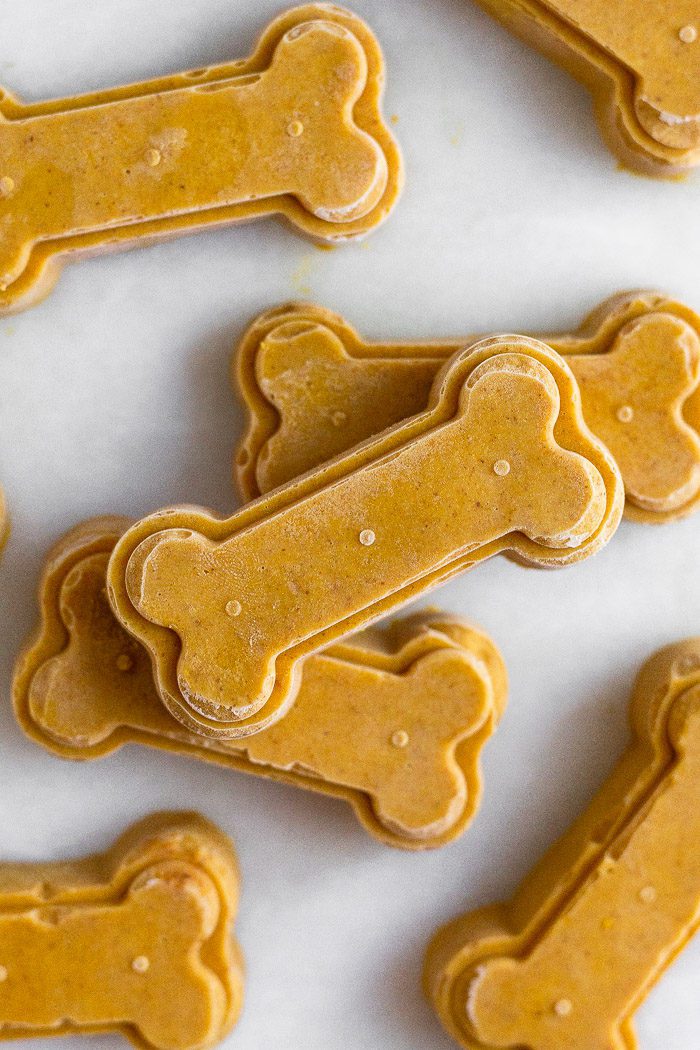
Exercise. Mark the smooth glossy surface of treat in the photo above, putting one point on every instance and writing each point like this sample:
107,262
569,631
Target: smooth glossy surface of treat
567,962
295,561
313,388
136,940
392,721
294,130
642,64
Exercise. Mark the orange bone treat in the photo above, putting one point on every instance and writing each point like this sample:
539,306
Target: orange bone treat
136,940
501,461
642,63
295,130
314,388
392,721
565,964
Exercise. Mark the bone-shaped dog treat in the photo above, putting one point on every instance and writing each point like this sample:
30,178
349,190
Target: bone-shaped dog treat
392,721
313,388
566,963
294,130
136,940
641,63
501,461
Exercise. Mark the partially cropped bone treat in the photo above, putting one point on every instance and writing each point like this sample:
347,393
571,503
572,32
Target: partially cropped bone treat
294,130
567,962
641,62
137,940
392,721
501,461
313,388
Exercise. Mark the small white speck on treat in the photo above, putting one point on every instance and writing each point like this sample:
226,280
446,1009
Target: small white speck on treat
140,964
563,1007
233,608
625,413
501,467
367,537
124,662
688,34
400,738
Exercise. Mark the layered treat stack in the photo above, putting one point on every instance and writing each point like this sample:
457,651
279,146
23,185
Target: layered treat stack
370,473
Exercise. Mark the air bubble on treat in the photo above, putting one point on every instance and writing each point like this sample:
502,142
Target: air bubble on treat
124,662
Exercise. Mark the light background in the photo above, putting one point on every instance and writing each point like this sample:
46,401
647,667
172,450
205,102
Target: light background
114,397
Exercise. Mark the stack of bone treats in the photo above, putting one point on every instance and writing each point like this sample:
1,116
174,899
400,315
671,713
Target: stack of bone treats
241,641
371,472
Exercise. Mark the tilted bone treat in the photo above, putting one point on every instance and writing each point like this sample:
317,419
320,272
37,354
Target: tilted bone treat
136,940
642,64
501,461
313,388
567,962
392,721
294,130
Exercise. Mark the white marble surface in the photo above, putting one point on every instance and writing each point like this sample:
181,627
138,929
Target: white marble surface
114,397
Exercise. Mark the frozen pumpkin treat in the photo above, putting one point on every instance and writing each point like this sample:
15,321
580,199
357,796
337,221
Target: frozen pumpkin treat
500,461
393,720
313,387
295,130
641,61
137,940
566,963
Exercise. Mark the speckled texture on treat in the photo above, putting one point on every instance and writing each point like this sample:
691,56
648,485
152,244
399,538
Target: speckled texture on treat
570,958
428,491
137,940
392,721
312,387
294,130
642,64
